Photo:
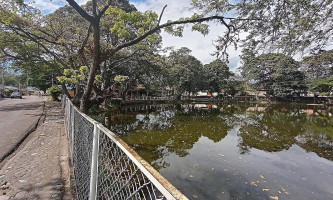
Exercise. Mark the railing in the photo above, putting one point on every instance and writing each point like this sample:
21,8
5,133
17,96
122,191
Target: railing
147,98
105,167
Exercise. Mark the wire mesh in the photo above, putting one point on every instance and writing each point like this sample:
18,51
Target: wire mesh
82,154
70,122
119,178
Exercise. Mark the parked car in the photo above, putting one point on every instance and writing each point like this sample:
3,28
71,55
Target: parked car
16,95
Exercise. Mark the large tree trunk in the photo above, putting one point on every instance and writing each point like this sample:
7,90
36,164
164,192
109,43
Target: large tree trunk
78,94
85,101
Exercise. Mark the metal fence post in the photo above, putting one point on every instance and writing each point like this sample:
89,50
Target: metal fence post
68,117
94,164
72,124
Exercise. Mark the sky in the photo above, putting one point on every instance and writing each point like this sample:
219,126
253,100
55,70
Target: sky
202,46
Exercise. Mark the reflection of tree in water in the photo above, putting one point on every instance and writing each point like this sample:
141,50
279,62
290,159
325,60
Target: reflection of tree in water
321,144
318,136
123,124
161,133
163,130
128,119
281,126
273,130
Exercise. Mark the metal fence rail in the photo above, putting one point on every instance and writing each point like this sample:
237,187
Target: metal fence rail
105,167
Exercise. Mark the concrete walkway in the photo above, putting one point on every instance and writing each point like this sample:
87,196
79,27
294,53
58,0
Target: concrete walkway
40,167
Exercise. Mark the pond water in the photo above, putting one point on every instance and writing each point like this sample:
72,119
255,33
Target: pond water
235,151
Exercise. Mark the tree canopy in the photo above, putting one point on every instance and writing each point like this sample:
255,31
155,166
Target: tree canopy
107,35
277,73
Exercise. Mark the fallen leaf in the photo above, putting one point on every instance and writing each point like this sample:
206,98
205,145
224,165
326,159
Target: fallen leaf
274,197
265,189
284,190
261,176
253,183
195,196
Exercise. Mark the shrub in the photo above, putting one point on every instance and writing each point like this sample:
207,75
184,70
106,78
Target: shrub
8,91
54,92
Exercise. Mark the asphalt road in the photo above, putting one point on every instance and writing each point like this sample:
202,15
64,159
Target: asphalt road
16,117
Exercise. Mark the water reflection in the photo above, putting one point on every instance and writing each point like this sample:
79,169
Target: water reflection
236,151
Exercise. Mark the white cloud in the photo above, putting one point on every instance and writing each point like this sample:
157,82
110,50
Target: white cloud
48,6
202,46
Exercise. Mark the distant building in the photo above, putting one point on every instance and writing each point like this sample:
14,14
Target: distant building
206,94
30,91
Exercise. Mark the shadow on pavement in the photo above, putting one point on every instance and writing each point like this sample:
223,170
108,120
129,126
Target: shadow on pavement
30,190
24,106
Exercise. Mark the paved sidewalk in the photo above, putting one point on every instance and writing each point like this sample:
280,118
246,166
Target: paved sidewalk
40,169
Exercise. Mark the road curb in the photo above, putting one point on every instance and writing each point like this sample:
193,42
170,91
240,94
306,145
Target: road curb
31,129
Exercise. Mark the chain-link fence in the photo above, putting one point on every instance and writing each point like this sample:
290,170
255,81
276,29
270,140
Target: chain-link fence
105,167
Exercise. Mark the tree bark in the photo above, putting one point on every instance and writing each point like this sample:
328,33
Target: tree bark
85,103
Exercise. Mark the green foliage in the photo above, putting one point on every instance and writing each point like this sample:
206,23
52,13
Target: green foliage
324,86
291,26
318,66
217,75
11,79
40,46
128,25
185,72
8,91
55,92
319,71
274,72
202,28
72,76
121,78
175,30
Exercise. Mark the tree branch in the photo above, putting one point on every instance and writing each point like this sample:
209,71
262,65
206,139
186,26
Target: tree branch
159,20
94,8
101,13
189,21
124,58
31,35
82,12
81,50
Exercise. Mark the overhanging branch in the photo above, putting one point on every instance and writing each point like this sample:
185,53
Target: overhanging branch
82,12
101,13
158,27
159,20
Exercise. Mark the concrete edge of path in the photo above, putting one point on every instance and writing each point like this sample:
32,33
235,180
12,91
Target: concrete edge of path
40,168
31,129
